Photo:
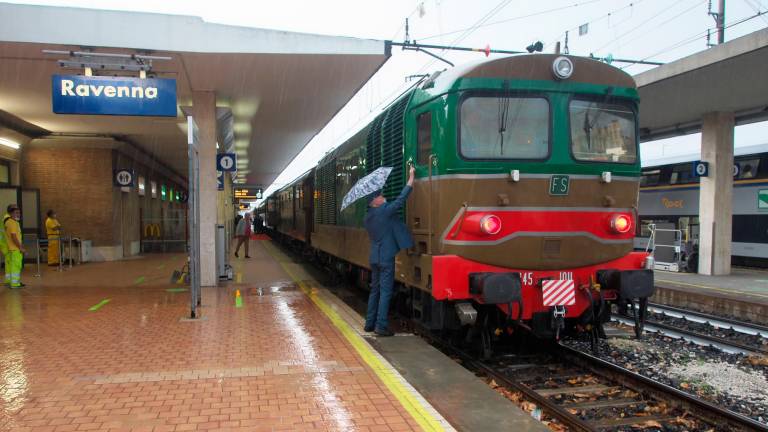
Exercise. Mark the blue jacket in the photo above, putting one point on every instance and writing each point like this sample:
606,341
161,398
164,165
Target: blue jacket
387,233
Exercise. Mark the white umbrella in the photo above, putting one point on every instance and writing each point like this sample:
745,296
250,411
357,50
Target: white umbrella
367,185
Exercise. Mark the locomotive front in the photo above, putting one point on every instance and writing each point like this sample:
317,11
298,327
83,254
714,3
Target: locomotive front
528,186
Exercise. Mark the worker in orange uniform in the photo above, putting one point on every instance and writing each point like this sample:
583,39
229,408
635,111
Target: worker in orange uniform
15,246
53,232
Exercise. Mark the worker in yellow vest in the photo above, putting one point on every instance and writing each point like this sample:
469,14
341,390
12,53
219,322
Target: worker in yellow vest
4,251
15,246
53,232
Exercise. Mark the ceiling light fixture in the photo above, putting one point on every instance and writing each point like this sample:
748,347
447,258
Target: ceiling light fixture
10,143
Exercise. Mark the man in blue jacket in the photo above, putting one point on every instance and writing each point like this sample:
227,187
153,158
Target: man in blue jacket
388,236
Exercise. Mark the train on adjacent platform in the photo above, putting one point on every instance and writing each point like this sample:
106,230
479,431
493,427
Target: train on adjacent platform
525,201
669,198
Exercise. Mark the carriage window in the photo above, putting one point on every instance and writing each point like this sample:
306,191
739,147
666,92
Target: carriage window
603,132
650,178
424,138
748,168
682,174
504,128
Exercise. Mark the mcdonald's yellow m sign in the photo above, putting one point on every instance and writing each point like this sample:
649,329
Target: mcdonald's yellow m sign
152,230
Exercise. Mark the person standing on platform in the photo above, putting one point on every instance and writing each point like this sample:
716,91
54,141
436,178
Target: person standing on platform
388,236
243,234
53,232
4,250
15,246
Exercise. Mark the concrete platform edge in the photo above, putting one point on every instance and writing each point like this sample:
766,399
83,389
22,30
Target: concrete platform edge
413,402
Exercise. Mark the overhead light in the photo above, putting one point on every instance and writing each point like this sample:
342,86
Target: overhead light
242,128
9,143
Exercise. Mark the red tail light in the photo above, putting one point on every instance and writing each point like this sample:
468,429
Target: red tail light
621,223
490,224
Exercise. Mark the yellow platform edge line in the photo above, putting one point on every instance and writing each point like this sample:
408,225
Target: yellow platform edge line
423,417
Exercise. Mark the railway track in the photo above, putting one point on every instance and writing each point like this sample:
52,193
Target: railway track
724,334
586,393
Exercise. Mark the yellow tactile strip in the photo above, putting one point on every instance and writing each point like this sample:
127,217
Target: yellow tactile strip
424,414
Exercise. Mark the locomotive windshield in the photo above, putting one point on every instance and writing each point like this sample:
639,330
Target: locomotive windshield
503,127
602,132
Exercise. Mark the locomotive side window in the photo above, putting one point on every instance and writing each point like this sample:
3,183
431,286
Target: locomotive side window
602,132
504,127
424,138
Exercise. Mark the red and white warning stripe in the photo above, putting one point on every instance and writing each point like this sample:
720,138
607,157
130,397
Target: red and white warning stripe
558,292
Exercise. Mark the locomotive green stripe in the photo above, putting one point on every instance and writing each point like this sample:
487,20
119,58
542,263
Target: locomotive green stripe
381,142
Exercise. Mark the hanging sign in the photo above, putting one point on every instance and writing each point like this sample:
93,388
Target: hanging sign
701,168
248,193
123,177
129,96
226,162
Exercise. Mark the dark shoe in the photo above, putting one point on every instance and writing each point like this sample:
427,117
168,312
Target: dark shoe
368,329
247,256
385,333
236,255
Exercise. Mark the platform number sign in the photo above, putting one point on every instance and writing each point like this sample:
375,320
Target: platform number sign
559,184
701,168
123,178
226,162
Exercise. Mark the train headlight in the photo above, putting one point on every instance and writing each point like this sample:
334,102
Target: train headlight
490,224
562,67
621,224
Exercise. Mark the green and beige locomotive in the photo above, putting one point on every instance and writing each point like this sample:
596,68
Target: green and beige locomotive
525,201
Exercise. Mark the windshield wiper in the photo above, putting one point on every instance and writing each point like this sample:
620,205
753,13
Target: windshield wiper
503,118
587,129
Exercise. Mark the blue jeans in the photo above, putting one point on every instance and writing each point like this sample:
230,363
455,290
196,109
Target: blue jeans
382,281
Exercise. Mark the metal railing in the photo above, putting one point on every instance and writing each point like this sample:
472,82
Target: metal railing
66,244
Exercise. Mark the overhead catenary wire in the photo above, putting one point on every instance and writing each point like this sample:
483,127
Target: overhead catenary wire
757,8
516,18
644,22
631,4
698,35
402,88
666,21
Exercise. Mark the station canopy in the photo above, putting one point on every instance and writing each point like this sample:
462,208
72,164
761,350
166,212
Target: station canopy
729,77
276,89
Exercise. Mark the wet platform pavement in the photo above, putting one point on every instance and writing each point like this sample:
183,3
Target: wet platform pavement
109,347
742,295
81,353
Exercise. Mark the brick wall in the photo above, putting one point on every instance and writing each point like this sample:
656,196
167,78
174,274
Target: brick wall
77,184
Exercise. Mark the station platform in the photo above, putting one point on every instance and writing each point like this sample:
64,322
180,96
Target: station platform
109,347
742,295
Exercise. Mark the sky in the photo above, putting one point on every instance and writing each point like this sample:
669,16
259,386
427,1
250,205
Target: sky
656,30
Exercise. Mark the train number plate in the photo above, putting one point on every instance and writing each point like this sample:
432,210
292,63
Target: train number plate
559,185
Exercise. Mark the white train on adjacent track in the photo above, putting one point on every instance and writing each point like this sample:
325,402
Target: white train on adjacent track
669,196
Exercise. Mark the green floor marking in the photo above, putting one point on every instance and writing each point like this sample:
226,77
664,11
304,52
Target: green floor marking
238,302
99,305
139,280
161,266
175,290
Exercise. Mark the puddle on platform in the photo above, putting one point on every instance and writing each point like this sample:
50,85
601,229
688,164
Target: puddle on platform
274,289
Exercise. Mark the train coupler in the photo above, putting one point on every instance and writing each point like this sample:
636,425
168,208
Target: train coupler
558,320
